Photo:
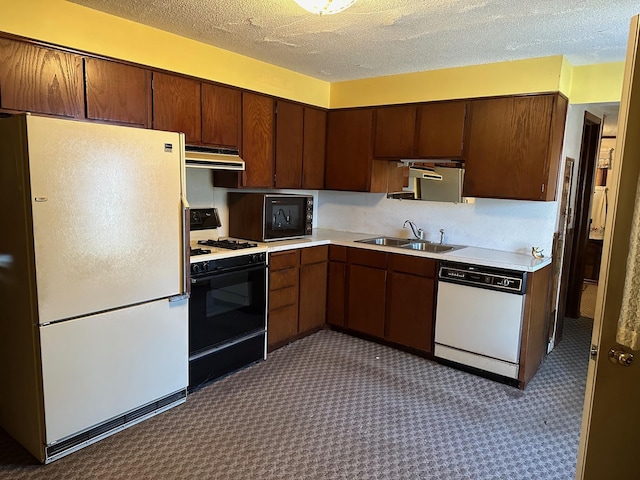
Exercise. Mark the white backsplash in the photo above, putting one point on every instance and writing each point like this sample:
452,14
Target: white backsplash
509,225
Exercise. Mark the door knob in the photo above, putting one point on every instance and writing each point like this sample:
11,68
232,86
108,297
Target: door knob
620,356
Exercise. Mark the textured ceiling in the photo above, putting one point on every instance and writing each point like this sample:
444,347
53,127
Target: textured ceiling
383,37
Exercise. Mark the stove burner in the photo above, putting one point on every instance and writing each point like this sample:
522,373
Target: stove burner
199,251
228,244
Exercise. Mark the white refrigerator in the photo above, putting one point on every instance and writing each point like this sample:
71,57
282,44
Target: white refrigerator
93,280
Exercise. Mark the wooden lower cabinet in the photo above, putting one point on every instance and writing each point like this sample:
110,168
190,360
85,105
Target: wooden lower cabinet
410,302
336,285
297,294
282,322
313,288
367,287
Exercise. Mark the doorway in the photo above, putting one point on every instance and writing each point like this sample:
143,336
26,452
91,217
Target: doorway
584,187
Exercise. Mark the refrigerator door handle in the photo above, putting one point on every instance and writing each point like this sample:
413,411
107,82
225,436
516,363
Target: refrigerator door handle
186,270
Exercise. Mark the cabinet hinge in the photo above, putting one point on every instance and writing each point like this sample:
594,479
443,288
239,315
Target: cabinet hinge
593,353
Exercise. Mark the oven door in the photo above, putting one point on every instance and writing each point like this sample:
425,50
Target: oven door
226,306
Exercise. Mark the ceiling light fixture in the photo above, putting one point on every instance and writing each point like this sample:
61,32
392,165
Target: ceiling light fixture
325,7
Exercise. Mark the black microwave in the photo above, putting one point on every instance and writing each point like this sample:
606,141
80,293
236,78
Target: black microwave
265,217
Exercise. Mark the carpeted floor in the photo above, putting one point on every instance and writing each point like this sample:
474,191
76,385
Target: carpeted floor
588,300
331,406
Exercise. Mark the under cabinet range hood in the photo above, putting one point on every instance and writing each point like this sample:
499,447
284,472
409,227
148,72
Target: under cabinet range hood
213,158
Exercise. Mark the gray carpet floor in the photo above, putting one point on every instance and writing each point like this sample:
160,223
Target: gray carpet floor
331,406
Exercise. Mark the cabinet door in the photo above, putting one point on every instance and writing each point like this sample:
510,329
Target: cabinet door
336,285
40,80
289,129
313,148
257,140
313,296
282,322
118,93
508,148
348,162
176,106
440,129
366,299
410,311
221,116
394,132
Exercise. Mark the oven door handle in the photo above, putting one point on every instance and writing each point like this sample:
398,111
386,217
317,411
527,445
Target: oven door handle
218,274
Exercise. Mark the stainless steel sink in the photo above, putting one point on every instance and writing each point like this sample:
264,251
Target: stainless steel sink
386,241
431,247
407,243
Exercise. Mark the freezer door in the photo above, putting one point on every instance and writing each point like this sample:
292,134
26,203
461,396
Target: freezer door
107,215
99,367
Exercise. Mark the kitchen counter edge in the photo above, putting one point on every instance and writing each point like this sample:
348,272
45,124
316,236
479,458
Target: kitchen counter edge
470,255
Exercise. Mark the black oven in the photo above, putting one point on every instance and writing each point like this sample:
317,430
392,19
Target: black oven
227,316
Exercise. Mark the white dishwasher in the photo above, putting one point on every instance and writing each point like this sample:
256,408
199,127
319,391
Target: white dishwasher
479,317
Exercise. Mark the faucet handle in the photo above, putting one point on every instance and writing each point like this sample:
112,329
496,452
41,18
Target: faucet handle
441,236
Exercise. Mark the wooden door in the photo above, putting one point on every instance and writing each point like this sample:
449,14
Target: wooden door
221,116
410,301
257,140
119,93
289,131
611,424
348,162
336,285
313,287
394,132
508,148
176,106
40,80
440,130
313,148
366,293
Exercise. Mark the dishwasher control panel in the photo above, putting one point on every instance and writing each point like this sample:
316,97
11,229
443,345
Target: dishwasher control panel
483,277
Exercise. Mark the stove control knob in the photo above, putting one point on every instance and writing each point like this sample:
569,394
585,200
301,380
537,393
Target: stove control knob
204,267
195,268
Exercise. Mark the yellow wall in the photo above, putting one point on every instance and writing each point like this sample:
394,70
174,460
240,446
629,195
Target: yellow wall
522,76
601,82
67,24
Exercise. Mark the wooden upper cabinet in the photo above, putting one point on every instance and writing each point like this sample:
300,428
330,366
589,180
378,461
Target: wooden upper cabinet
348,149
257,140
514,147
118,93
176,106
221,116
394,131
289,140
313,149
40,80
440,130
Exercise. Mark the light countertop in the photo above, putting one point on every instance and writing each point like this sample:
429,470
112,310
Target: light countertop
473,255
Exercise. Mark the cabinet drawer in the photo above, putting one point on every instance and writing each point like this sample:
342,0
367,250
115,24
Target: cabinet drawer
314,254
283,297
369,258
283,278
425,267
282,324
337,253
290,258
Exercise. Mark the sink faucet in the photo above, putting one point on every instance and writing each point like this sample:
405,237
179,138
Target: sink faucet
417,232
441,236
